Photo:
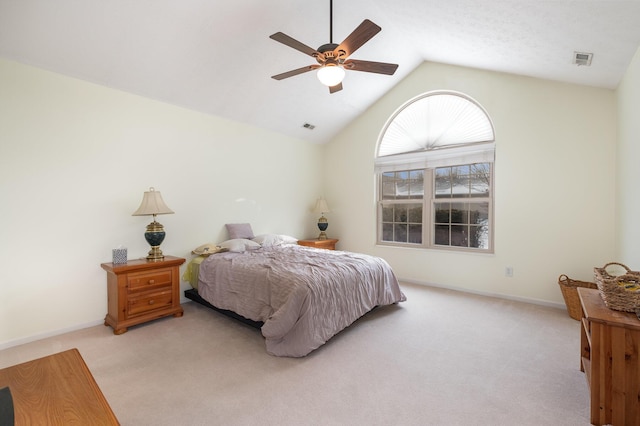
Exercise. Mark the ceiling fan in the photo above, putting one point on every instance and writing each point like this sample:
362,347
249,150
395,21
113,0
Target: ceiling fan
333,58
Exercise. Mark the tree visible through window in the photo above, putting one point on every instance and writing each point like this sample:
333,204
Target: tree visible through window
435,178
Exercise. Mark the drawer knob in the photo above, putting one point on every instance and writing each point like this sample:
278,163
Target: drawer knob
152,281
151,302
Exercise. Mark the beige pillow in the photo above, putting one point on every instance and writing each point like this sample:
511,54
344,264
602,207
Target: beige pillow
207,249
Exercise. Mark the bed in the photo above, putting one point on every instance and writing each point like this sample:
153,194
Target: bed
299,296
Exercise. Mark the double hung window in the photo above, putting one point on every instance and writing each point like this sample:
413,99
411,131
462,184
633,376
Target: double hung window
435,175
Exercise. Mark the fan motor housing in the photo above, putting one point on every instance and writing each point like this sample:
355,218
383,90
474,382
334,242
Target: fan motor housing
328,55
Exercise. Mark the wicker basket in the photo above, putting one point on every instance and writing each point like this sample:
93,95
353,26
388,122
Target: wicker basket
614,288
569,290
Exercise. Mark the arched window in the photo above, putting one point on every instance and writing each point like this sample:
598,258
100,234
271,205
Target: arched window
434,163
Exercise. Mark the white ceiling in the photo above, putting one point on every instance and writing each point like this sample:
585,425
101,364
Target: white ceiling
216,56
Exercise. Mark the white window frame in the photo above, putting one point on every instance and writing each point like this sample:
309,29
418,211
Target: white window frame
430,157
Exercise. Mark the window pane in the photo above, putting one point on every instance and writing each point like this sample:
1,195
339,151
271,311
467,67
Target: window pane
388,186
460,170
443,211
459,236
479,179
443,182
460,181
415,234
388,191
415,213
400,213
400,233
479,237
459,213
403,185
416,184
479,213
441,235
387,213
387,232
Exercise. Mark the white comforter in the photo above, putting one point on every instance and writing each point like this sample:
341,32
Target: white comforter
303,295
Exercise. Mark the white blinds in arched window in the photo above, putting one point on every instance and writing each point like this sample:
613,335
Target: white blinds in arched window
434,129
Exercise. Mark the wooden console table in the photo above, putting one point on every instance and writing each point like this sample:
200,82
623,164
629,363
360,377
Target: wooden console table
56,389
610,359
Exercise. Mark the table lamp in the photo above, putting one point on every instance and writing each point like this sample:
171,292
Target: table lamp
323,223
152,205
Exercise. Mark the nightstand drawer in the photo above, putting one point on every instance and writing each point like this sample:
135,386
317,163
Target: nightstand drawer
149,302
143,281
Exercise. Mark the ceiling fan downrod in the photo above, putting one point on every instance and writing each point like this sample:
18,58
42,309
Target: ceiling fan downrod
330,21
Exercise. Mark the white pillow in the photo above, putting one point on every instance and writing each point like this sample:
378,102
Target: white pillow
239,245
267,240
288,240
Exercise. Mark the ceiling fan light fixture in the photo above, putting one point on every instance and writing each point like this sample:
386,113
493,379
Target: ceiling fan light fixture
331,75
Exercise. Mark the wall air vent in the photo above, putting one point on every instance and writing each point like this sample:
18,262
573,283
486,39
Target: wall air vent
582,58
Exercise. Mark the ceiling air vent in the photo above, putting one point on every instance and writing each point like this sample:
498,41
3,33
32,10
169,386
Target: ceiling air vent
308,126
582,58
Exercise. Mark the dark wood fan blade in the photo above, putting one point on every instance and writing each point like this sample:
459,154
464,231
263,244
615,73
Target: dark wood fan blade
291,42
365,31
295,72
336,88
368,66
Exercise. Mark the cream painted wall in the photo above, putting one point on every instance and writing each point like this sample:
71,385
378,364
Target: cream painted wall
554,180
75,159
628,176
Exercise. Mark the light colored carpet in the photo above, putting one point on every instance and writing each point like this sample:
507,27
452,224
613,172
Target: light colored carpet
441,358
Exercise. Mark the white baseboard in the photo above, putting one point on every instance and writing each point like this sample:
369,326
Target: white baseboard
489,294
40,336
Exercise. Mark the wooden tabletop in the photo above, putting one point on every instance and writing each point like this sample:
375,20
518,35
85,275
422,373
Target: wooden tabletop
596,310
57,389
142,264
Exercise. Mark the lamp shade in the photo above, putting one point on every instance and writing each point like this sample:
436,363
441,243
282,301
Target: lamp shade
321,206
331,75
152,204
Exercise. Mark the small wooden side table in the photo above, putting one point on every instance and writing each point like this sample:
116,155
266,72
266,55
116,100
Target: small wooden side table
139,291
328,244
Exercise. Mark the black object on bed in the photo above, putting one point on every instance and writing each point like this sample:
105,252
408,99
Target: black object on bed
193,295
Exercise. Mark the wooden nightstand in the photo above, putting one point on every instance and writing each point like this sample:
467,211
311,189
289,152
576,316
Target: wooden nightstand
328,244
139,291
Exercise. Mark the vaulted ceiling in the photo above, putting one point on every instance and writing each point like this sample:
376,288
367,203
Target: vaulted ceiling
216,56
